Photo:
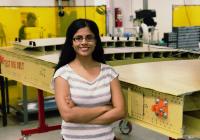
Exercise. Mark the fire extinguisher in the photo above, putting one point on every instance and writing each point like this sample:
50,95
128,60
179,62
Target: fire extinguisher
118,18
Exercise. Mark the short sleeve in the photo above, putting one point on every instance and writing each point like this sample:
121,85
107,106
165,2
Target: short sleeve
61,72
113,73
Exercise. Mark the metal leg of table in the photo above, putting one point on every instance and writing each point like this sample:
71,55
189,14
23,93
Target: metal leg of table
175,139
25,103
3,101
43,127
7,96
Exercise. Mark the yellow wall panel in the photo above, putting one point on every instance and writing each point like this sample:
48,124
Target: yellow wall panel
48,22
9,19
186,15
72,13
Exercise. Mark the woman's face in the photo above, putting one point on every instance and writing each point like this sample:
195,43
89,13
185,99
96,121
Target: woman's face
84,42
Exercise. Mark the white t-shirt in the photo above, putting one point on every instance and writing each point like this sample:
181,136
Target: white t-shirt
89,94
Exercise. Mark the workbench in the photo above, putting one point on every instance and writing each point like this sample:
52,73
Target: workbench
30,71
32,62
163,96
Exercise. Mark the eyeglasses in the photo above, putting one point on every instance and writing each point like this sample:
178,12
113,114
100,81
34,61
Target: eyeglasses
88,38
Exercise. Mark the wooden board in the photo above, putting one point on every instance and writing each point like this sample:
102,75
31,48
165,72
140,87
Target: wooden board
23,44
171,77
145,48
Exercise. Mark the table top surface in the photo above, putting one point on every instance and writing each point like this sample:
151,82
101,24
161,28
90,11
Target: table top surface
53,56
172,77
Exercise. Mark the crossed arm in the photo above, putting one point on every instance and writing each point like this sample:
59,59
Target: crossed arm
91,115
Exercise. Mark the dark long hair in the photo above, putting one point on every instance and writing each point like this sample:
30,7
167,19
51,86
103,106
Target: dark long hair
68,54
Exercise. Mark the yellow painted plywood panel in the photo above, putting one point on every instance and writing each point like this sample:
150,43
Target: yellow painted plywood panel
137,104
140,105
192,125
27,70
192,102
186,15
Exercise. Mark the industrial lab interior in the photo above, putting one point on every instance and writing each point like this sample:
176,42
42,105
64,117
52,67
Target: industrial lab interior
153,45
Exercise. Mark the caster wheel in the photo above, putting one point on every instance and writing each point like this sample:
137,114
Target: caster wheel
24,138
125,127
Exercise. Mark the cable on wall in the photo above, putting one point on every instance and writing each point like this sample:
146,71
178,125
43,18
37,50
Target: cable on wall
186,12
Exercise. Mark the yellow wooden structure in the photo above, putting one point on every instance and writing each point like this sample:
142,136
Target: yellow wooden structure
163,96
117,52
175,84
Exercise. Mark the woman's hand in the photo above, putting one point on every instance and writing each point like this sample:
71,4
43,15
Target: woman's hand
69,101
70,112
115,112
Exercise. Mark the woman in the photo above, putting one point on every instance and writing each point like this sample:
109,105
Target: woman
87,91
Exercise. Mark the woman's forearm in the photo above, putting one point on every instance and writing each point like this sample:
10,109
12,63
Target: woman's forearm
84,114
109,117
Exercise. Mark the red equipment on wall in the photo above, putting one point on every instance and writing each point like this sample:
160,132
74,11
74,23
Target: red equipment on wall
118,18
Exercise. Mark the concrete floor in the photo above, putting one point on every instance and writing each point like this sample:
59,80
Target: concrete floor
13,131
